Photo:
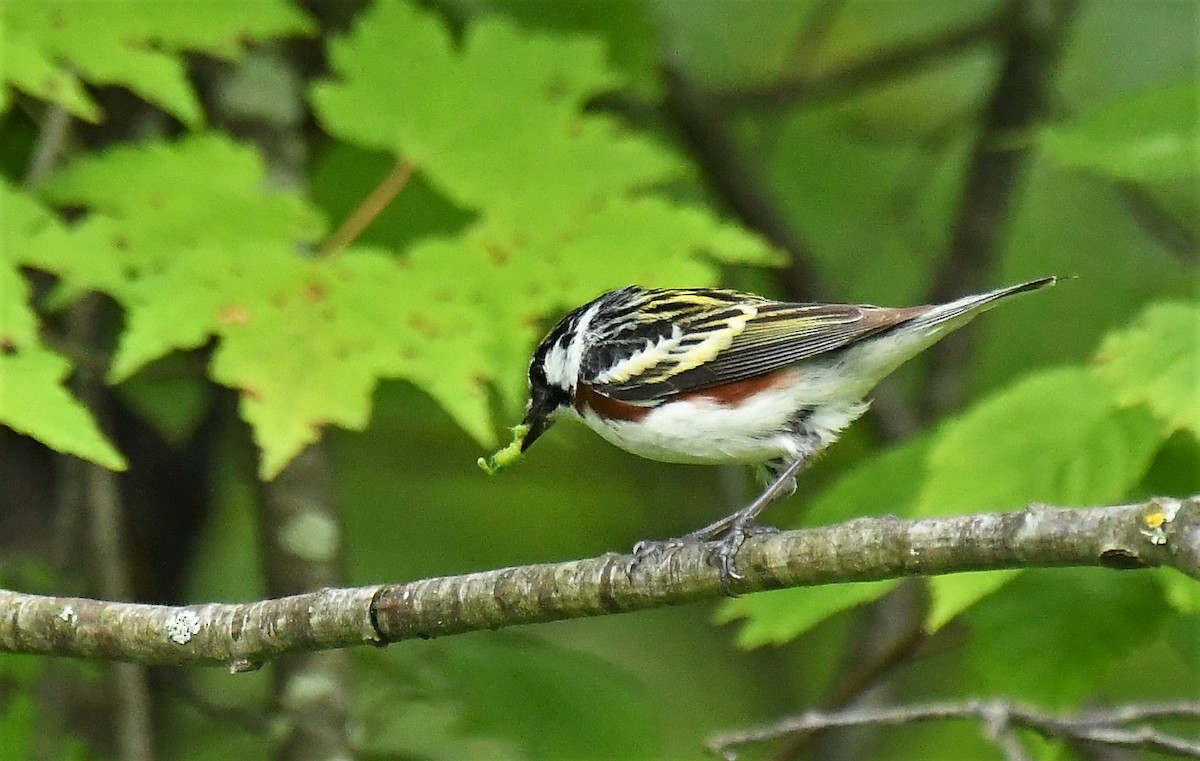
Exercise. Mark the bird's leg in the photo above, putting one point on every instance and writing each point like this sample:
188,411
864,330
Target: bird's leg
740,525
736,526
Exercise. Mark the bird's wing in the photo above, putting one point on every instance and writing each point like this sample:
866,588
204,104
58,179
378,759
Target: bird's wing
660,343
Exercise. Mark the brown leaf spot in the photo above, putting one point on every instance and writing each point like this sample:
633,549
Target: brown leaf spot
556,88
233,314
7,346
253,393
420,325
497,252
314,291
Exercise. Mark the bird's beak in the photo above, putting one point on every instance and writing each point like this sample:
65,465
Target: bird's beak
537,421
540,415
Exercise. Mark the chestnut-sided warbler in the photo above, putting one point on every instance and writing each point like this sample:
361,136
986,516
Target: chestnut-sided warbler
704,375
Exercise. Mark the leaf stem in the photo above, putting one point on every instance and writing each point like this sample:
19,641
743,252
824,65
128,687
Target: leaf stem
371,207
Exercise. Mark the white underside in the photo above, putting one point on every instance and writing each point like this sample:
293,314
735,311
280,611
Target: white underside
760,429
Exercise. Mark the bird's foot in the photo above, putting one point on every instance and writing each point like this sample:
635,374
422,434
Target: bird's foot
722,553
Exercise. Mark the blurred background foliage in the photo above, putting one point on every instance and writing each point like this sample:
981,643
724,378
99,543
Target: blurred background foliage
187,160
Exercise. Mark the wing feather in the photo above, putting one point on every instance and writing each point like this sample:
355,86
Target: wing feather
675,341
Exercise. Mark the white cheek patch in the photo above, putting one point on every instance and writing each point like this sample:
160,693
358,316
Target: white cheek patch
563,361
556,365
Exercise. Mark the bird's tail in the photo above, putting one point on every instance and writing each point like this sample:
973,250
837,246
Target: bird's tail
945,317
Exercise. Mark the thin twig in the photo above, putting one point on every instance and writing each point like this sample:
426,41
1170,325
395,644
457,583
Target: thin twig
371,207
998,718
52,137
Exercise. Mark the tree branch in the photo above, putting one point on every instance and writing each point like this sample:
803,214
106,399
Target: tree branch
998,719
1159,532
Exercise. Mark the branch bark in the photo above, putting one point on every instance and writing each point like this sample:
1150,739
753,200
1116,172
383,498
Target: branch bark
1159,532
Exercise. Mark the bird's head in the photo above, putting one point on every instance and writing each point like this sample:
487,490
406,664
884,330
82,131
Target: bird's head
552,381
553,373
553,376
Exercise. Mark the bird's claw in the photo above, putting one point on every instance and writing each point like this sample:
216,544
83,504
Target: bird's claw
649,548
722,553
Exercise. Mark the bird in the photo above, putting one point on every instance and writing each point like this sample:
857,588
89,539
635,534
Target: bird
718,376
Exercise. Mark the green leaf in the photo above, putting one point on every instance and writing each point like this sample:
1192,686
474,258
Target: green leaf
303,341
496,123
887,484
629,28
18,322
18,717
33,401
427,730
951,595
1180,590
29,68
1110,616
84,257
1151,136
54,44
1156,363
1055,438
159,198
